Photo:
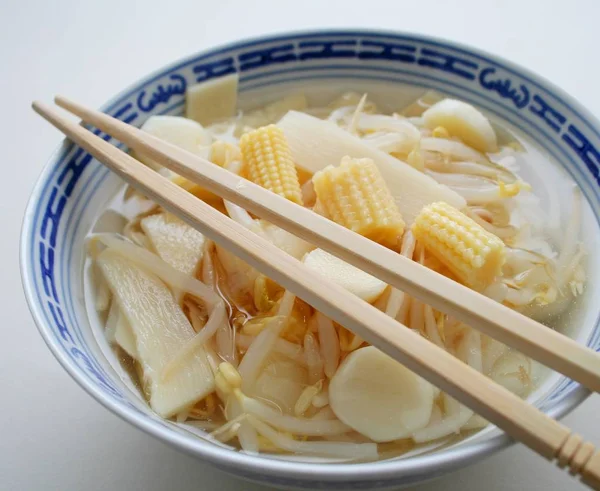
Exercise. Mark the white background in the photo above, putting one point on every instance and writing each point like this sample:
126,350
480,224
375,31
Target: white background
53,436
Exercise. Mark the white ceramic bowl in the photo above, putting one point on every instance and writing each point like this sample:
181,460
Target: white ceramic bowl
74,188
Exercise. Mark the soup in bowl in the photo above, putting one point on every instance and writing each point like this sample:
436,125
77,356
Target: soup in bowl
465,164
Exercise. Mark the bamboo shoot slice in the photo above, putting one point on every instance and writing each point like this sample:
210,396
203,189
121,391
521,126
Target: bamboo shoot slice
356,281
175,241
273,112
213,100
160,329
118,331
283,239
124,336
316,144
379,397
181,132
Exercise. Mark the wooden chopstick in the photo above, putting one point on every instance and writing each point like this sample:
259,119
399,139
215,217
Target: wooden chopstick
519,419
492,318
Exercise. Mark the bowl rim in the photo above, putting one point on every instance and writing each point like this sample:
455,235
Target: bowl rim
386,470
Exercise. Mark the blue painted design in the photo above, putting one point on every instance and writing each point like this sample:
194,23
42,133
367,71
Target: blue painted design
129,119
583,147
104,136
327,49
503,86
75,168
173,107
123,115
52,216
214,69
387,51
60,323
49,267
162,93
47,270
448,63
551,116
81,356
267,56
123,110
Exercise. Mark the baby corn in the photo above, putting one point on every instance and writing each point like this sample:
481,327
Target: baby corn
355,195
471,253
268,162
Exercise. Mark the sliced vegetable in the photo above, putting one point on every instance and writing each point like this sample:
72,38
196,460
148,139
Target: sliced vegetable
274,111
124,336
379,397
160,329
315,144
283,239
213,100
356,281
181,132
176,242
462,121
456,416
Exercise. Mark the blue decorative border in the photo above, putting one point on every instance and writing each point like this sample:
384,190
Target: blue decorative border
542,113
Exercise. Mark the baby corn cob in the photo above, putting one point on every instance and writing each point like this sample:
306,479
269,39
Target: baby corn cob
471,253
355,196
268,162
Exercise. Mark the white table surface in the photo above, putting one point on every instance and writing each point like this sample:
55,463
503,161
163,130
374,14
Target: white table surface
53,435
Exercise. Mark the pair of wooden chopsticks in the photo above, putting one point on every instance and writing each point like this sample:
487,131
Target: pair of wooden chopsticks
519,419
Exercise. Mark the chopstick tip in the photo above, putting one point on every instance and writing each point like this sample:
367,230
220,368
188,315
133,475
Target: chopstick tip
60,100
37,106
66,103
